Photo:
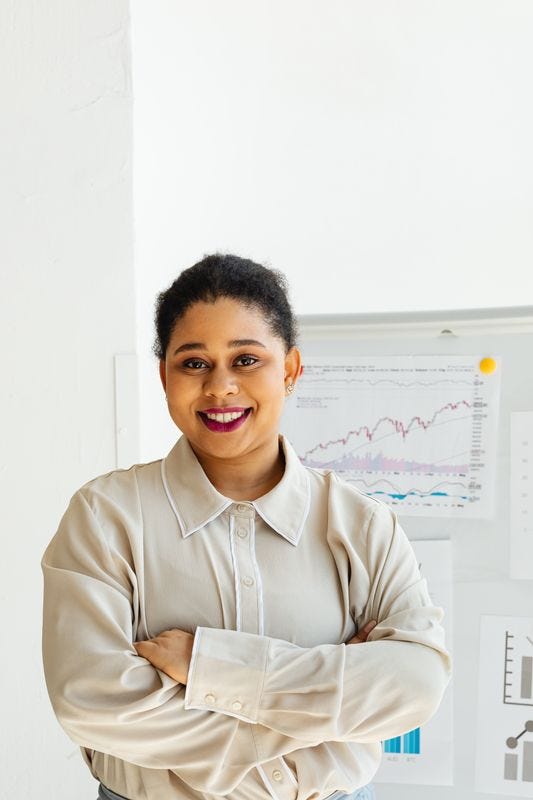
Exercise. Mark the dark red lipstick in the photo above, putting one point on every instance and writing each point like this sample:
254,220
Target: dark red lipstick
224,427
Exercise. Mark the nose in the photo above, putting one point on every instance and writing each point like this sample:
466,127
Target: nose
220,382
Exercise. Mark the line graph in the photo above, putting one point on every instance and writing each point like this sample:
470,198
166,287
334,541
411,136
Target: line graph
417,431
398,426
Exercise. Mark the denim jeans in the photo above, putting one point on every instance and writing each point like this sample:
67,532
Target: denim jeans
106,794
364,793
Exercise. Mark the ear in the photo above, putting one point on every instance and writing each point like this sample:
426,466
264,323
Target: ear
293,364
163,374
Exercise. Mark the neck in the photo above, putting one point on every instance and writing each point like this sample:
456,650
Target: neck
245,477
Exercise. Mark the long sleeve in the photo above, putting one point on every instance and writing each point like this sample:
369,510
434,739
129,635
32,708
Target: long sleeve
337,692
108,698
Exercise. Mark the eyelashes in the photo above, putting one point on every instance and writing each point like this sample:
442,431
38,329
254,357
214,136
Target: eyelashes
198,361
252,358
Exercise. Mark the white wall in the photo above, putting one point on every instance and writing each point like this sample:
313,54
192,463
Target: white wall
67,305
378,153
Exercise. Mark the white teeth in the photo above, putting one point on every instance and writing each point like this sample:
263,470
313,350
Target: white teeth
228,417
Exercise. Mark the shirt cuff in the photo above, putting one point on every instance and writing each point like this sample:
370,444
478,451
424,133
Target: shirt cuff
227,672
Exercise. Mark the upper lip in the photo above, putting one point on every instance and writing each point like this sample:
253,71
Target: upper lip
224,410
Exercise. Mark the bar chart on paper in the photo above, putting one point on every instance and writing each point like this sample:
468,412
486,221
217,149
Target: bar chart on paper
518,691
518,765
518,673
424,755
504,763
418,432
408,743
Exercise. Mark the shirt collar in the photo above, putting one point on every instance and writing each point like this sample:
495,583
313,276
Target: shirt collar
196,502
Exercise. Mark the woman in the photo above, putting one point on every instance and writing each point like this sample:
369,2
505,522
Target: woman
200,610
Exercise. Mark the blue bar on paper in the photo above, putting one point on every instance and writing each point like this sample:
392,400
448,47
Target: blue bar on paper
411,742
393,745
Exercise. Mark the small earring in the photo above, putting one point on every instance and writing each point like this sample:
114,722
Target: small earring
290,388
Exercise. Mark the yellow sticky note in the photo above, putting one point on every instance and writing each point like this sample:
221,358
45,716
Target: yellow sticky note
487,365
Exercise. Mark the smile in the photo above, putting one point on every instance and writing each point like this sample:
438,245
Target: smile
228,421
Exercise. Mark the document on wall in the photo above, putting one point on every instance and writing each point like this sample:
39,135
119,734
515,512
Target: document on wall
521,496
504,747
418,432
425,754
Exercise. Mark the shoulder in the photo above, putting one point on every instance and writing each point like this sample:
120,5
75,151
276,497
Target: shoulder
117,491
104,514
348,506
342,491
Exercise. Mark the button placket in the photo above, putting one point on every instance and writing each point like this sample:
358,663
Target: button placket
248,588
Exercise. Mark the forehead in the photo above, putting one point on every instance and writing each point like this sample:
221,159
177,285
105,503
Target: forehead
226,318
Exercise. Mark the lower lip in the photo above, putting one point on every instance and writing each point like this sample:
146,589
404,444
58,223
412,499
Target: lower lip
225,427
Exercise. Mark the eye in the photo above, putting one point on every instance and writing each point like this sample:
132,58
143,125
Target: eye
249,359
194,363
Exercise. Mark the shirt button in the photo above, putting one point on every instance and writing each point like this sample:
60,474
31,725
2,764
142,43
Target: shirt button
242,533
209,698
248,581
236,706
242,507
276,775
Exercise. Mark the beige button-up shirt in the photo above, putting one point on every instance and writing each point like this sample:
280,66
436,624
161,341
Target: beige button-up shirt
276,705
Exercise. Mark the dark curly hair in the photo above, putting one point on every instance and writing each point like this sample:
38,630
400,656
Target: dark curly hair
226,275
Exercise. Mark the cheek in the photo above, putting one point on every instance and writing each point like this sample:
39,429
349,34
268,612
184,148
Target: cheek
274,395
271,390
179,398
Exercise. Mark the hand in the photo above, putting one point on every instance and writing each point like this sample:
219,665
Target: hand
170,652
363,633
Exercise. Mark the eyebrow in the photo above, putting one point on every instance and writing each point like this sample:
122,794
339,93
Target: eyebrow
201,346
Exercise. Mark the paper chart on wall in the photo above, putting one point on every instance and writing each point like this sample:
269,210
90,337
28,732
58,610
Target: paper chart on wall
418,432
425,755
504,746
521,496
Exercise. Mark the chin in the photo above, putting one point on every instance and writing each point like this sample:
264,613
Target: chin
217,442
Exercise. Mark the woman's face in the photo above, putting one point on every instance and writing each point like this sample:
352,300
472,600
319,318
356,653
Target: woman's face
223,358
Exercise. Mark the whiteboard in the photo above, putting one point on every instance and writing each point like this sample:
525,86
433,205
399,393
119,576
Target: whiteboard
482,587
481,544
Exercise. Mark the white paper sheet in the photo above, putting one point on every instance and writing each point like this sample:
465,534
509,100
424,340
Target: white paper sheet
419,432
425,755
504,751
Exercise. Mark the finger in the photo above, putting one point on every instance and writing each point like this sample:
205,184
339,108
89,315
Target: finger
360,637
144,646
